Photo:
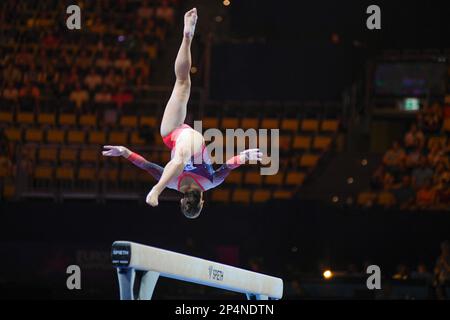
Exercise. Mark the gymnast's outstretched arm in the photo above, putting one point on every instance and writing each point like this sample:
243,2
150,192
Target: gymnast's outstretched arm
120,151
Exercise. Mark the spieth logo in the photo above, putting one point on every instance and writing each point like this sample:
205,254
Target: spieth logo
215,274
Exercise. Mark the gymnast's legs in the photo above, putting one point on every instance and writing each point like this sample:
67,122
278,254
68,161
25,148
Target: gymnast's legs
189,142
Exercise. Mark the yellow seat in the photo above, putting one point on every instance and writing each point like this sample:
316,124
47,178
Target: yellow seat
310,125
270,124
136,140
88,120
89,155
250,123
13,134
386,199
241,196
274,180
148,121
75,136
321,143
221,195
210,123
129,121
289,125
67,119
235,177
46,119
302,142
308,160
366,198
446,126
128,174
253,177
261,195
68,154
55,136
330,125
34,135
282,194
117,138
25,117
285,142
6,117
65,173
9,191
295,178
230,123
87,173
48,154
97,137
110,174
43,172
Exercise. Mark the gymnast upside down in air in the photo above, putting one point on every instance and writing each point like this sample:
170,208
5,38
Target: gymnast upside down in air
190,170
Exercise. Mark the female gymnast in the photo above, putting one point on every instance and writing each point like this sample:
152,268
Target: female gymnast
190,170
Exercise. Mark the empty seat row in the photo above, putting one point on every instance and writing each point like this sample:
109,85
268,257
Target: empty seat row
247,196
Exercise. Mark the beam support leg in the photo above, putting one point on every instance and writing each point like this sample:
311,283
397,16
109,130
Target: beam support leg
126,283
148,283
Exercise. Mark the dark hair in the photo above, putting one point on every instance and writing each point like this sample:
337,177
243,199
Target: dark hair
191,205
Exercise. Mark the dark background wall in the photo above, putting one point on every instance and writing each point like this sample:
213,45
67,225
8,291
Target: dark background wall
39,240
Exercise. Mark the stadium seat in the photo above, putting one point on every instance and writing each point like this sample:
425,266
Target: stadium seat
25,118
75,136
129,122
117,138
164,157
253,178
208,123
48,154
446,126
321,143
386,199
295,178
43,172
230,123
13,134
55,136
88,120
270,124
65,173
46,119
308,160
282,194
136,140
221,195
129,174
148,121
261,195
250,123
34,135
68,154
289,125
87,174
274,180
109,174
302,143
241,196
235,177
67,119
310,125
366,199
6,117
285,142
329,125
89,155
97,137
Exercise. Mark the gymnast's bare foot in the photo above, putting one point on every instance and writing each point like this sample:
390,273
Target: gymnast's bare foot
190,19
152,197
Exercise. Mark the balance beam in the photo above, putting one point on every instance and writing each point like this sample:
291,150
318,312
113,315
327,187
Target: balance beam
133,259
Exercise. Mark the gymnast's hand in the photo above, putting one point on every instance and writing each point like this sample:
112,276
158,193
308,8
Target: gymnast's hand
116,151
152,197
251,155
